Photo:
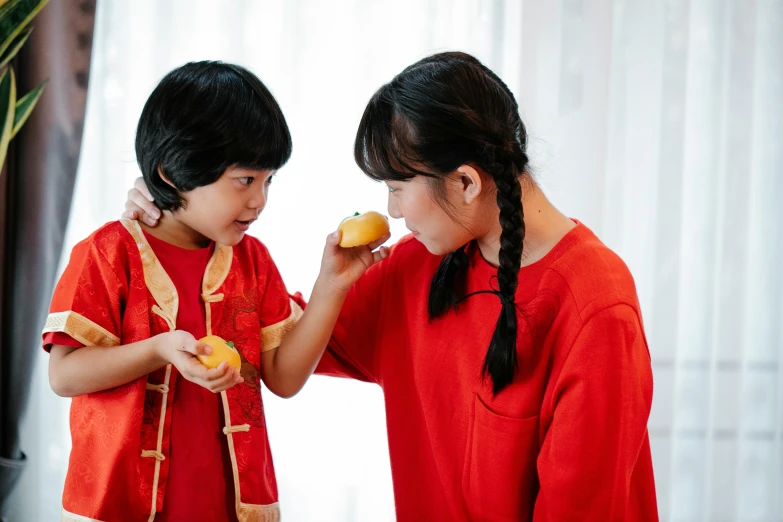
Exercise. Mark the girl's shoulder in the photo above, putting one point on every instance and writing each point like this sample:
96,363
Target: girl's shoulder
591,275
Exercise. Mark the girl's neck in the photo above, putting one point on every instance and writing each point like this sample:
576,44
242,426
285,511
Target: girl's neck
545,226
175,232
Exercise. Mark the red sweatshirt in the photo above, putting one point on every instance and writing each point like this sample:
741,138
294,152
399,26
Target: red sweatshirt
566,441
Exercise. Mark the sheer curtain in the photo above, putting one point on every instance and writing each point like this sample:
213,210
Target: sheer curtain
658,124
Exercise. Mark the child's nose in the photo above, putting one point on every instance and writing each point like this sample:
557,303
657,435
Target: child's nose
257,201
394,207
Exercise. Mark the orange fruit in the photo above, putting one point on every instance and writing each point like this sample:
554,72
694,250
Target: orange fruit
221,351
361,229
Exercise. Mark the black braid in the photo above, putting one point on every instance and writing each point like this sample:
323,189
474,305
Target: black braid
448,283
501,360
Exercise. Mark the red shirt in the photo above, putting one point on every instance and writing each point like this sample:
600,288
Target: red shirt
196,417
566,441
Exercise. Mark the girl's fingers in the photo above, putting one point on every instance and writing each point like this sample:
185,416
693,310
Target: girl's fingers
378,242
379,254
139,185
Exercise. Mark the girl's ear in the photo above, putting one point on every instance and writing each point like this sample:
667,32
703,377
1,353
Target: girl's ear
164,178
470,183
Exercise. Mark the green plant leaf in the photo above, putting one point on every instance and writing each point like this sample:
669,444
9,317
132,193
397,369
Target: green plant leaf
14,17
25,106
7,110
15,46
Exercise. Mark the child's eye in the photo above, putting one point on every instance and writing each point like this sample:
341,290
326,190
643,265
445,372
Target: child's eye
391,189
269,179
247,180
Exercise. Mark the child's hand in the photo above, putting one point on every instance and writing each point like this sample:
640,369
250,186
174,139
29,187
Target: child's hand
180,349
140,204
342,267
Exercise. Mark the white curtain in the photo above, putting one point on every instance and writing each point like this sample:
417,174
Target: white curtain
657,123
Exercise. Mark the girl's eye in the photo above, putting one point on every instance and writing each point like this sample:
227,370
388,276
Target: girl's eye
269,179
391,189
246,180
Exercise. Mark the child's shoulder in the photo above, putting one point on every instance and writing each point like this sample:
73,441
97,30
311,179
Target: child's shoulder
251,244
253,248
109,239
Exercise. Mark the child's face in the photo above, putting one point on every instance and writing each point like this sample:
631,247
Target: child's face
430,224
224,210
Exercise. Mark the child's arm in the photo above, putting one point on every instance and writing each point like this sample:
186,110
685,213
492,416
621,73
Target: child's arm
286,369
78,371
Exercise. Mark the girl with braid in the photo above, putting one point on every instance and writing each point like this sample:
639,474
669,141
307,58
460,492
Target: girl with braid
507,338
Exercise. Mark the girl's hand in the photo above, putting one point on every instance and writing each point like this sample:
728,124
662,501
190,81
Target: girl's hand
180,349
342,267
140,204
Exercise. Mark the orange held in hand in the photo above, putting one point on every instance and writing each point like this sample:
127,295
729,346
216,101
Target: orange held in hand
363,229
221,351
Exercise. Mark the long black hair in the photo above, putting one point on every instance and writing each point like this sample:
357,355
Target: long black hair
203,118
442,112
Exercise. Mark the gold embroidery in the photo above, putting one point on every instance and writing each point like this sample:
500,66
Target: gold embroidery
158,311
245,512
80,328
207,300
216,273
231,452
235,429
217,269
157,280
162,388
272,336
153,454
158,451
259,513
67,516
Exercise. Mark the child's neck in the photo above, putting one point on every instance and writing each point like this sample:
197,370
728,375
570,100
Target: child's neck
174,232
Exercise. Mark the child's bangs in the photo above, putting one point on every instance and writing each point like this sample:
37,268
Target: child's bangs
265,147
385,147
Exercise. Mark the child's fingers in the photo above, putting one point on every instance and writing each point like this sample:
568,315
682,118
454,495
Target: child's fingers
141,186
214,374
227,381
193,347
202,348
333,239
193,370
378,242
379,254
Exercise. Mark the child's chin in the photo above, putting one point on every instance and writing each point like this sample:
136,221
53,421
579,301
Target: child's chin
233,240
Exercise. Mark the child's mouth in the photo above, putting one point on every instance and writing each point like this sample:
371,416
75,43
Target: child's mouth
243,225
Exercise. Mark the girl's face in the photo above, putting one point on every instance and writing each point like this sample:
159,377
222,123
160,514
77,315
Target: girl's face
224,210
433,226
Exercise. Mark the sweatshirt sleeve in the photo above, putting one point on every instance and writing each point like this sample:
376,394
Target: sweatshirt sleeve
601,405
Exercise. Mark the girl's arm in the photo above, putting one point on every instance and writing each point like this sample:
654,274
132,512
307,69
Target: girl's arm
78,371
286,369
597,446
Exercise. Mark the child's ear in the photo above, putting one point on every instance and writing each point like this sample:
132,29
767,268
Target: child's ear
164,178
470,183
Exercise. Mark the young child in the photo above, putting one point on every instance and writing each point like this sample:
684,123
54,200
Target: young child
157,435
